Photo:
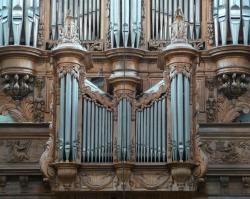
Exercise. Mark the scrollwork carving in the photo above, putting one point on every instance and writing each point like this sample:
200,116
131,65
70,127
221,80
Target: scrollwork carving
18,150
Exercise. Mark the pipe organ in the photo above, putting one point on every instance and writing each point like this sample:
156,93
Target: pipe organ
231,21
125,23
85,12
96,132
68,114
162,16
151,132
19,22
124,111
180,115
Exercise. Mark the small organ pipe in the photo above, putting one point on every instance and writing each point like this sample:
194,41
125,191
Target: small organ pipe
85,26
151,132
98,18
53,19
133,24
125,22
93,20
88,131
90,19
138,29
99,133
1,21
155,130
165,29
96,132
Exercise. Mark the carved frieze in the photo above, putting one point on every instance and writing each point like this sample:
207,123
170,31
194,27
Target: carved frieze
227,151
21,151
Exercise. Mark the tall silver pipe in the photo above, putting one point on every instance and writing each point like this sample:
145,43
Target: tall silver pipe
223,19
165,29
180,114
151,134
85,26
53,19
76,12
92,131
246,20
175,6
159,133
71,7
96,132
68,109
187,117
94,19
98,18
111,136
88,131
157,20
161,10
17,20
138,30
1,25
191,19
197,19
153,18
116,16
174,116
133,22
147,133
84,137
99,132
125,22
74,117
155,130
164,123
90,20
170,18
62,118
235,18
129,145
119,130
65,8
103,133
215,18
29,13
81,20
124,128
144,133
36,21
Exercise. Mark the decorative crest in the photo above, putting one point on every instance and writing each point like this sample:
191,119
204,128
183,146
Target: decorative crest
179,28
69,34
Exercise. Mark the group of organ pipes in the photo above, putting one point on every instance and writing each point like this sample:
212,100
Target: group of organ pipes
19,22
86,13
162,16
231,21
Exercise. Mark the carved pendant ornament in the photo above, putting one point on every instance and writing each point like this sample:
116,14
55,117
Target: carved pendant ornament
233,85
18,86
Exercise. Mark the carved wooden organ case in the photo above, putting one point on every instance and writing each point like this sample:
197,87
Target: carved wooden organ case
128,87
